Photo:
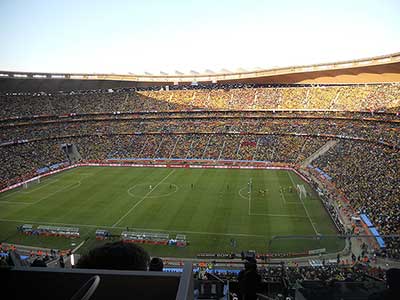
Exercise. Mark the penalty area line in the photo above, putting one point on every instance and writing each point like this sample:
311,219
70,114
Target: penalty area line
272,215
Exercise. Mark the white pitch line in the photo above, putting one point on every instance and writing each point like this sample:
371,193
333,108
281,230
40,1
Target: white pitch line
134,228
283,198
47,196
40,187
271,215
305,208
279,215
240,193
164,195
288,202
246,198
11,202
16,191
62,189
249,196
140,201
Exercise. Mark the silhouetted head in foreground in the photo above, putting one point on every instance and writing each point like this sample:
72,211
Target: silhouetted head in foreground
156,264
115,256
250,264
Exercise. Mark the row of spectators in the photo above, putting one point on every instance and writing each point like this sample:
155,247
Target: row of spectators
374,131
355,98
280,279
332,272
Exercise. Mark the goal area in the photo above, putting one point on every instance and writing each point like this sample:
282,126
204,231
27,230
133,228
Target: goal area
301,191
30,183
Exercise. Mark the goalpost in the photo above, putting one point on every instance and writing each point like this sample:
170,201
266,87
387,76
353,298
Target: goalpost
301,191
28,184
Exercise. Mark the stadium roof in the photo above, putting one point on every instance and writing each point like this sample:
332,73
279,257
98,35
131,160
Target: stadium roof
385,68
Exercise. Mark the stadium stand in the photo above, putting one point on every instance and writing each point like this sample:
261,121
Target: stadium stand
149,123
242,123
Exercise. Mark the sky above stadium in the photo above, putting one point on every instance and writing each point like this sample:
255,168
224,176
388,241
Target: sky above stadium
155,35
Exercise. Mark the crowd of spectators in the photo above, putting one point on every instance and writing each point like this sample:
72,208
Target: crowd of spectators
25,158
368,175
284,279
351,98
368,129
333,273
22,161
364,164
328,272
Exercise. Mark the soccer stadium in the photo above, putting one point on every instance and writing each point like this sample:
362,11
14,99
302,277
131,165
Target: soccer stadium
271,183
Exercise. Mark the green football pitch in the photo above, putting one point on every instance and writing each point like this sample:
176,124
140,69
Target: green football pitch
219,210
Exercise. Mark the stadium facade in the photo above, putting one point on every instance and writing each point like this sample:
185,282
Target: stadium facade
379,69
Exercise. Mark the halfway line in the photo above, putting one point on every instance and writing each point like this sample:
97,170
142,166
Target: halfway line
141,200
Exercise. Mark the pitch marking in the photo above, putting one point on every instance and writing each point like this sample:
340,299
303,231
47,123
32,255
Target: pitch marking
45,197
11,202
305,208
157,196
59,190
269,215
144,198
29,191
11,194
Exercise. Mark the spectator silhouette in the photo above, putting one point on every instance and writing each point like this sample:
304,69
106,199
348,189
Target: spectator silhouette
393,284
115,256
249,280
38,262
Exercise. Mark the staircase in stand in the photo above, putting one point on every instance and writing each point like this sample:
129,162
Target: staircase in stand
319,152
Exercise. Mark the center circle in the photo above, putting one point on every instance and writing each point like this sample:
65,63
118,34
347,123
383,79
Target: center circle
149,190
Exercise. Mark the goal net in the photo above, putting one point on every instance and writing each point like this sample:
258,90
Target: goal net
28,184
301,191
